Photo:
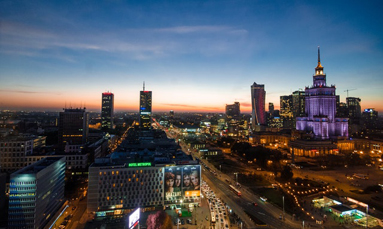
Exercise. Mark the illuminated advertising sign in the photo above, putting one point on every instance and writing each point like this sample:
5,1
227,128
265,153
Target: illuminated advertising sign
191,179
140,164
134,218
182,181
173,186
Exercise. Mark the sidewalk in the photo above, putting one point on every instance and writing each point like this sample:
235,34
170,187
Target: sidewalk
198,216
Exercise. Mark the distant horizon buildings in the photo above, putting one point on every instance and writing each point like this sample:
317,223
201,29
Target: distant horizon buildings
320,109
258,97
145,108
107,111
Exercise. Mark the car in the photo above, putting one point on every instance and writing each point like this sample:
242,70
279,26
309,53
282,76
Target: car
189,221
182,221
255,204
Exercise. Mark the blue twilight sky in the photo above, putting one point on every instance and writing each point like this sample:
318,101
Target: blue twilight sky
193,55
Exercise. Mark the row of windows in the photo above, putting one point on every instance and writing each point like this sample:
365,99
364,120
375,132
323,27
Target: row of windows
21,217
130,172
14,144
22,211
137,192
32,205
122,184
130,176
22,200
23,183
132,203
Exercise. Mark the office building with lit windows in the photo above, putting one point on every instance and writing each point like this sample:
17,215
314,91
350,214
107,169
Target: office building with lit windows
320,109
116,186
145,108
36,193
107,111
258,97
286,111
73,127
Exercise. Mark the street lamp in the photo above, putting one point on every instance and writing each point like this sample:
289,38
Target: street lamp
283,200
236,177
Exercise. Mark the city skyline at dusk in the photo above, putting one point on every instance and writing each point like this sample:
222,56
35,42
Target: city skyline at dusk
193,56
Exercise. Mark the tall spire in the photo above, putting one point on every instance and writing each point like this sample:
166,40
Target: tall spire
144,86
319,65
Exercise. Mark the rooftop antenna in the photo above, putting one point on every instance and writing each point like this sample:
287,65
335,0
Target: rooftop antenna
318,54
144,85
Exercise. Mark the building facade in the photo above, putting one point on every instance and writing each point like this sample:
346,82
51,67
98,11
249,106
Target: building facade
73,127
298,104
36,193
13,153
107,111
320,109
286,111
354,109
116,189
145,108
258,97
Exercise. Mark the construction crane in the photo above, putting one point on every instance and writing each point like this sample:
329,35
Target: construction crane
353,89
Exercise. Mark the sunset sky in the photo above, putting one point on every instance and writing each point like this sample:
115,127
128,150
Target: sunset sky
193,55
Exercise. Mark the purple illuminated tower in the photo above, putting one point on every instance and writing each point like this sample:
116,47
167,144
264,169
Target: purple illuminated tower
320,108
258,97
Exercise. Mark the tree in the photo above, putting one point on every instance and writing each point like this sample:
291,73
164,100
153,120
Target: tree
286,173
159,220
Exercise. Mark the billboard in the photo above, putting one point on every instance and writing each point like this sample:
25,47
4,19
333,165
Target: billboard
182,181
134,218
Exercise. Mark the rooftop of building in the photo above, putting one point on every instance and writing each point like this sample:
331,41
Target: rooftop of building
342,208
38,166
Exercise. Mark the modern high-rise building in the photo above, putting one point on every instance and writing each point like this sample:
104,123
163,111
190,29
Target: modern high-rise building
36,193
73,127
286,111
145,108
354,109
258,97
233,111
271,108
320,109
107,111
298,103
370,119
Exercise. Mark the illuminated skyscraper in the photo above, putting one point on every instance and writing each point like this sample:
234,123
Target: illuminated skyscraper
145,108
258,97
320,109
107,111
286,111
298,103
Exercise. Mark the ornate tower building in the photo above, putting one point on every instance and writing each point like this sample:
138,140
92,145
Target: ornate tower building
320,108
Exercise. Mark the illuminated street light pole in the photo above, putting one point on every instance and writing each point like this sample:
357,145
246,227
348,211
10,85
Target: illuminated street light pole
367,216
283,200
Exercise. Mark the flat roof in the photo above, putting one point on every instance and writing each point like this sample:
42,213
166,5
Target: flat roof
342,208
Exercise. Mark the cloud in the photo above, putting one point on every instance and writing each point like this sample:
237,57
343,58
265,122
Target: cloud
29,92
140,44
245,104
178,105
